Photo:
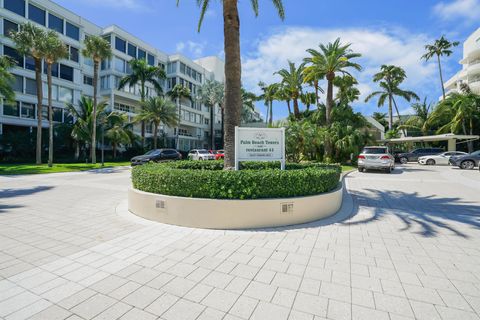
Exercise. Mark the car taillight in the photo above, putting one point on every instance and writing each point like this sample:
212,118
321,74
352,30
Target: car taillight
385,157
361,157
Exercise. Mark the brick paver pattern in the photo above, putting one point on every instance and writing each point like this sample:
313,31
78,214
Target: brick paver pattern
410,250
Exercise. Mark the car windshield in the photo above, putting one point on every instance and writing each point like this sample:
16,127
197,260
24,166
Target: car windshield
374,151
203,151
152,152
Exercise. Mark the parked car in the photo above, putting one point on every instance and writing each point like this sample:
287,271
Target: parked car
219,154
376,158
468,161
440,159
200,154
417,153
156,155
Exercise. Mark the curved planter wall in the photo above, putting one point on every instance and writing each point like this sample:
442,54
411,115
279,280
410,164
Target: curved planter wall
233,214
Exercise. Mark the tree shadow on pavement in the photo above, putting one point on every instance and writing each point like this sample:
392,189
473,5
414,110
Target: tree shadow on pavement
428,213
13,193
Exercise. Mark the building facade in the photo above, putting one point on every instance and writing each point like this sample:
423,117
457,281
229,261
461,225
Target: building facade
470,73
73,77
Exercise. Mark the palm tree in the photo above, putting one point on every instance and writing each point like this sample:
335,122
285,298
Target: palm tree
292,80
347,92
269,95
441,47
85,120
29,41
381,118
233,67
143,73
418,121
283,95
54,50
248,107
390,78
118,130
97,49
6,79
177,93
331,59
157,110
308,98
211,93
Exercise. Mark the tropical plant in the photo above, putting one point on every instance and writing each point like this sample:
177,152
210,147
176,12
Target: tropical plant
331,59
441,47
283,95
85,120
292,80
119,130
248,105
157,110
418,121
97,49
211,93
54,50
308,98
389,79
177,93
143,73
233,68
381,118
268,96
6,79
30,41
347,91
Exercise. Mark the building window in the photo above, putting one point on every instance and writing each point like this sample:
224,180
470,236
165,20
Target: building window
55,23
104,83
11,109
17,6
72,31
132,50
108,38
65,95
54,69
105,65
30,86
29,63
182,67
88,61
28,110
88,80
57,114
36,14
54,91
120,44
73,54
66,72
119,64
141,54
18,84
151,59
9,27
12,53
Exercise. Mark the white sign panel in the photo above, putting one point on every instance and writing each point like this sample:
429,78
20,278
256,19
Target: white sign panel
259,144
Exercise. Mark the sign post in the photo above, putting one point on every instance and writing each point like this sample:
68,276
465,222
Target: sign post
259,144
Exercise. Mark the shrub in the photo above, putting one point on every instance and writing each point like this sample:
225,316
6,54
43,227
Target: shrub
256,180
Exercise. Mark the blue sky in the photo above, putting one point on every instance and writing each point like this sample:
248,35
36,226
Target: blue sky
384,32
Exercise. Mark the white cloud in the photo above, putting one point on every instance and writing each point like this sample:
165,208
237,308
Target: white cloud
377,46
465,9
137,5
191,48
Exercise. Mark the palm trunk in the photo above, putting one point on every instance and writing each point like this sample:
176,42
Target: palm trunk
233,72
390,113
38,79
142,100
270,120
268,113
155,129
288,106
223,126
212,128
329,104
93,147
50,115
114,147
296,110
398,114
77,150
441,75
315,84
179,106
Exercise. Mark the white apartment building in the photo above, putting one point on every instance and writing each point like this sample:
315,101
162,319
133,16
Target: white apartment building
470,73
73,76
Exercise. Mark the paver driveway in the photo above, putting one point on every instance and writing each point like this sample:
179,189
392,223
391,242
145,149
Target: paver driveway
68,250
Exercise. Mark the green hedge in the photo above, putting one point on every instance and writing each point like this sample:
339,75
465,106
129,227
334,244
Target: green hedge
256,180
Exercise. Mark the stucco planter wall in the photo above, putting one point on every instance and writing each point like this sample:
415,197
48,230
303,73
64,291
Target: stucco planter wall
233,214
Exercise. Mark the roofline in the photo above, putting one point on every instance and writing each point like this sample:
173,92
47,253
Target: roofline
440,137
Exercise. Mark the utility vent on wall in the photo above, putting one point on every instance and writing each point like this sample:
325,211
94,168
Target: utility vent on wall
160,204
287,208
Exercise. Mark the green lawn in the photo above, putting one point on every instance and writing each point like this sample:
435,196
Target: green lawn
347,168
9,169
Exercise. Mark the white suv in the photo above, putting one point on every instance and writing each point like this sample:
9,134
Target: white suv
200,154
376,158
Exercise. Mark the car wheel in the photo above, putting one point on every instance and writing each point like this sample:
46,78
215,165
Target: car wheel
431,162
403,160
200,159
360,169
468,165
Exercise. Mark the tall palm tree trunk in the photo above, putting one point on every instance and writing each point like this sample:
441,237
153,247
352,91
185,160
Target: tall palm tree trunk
270,120
179,107
38,79
155,129
317,98
390,113
398,114
142,100
441,75
329,103
233,67
223,126
93,148
50,115
289,109
212,128
114,147
296,110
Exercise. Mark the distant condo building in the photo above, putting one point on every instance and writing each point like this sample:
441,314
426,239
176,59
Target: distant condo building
72,77
470,73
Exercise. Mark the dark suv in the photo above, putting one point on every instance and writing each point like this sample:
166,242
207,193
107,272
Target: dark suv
467,161
156,155
417,153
